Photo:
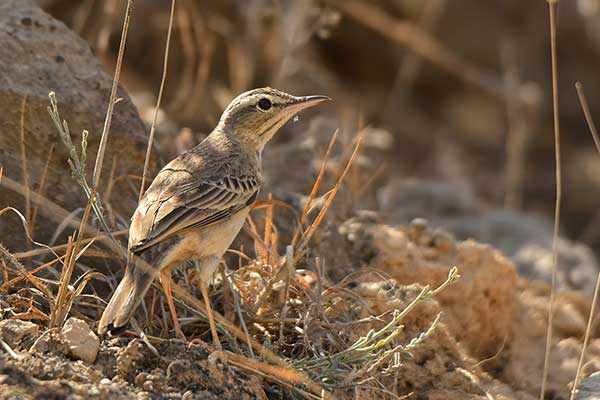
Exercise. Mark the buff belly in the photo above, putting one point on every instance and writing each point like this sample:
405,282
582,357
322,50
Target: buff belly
206,245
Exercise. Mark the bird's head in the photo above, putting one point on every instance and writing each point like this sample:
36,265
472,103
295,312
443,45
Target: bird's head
255,116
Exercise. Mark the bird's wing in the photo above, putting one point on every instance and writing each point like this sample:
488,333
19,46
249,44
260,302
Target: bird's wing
178,200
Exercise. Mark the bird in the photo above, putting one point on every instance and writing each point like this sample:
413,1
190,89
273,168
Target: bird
198,202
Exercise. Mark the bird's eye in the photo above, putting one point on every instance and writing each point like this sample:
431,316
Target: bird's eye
264,104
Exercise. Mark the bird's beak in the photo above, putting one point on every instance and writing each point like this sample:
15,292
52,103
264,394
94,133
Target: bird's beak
304,102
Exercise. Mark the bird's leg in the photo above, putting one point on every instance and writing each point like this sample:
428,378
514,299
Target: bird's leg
165,281
211,319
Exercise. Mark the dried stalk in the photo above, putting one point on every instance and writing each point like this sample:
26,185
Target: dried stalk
548,350
315,187
113,98
24,160
588,117
157,108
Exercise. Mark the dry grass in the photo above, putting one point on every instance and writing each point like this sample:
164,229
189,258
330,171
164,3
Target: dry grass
24,166
307,235
557,205
158,100
411,36
41,189
593,131
315,187
113,97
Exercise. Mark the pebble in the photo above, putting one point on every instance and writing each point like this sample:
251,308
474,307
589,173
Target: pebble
589,388
82,343
13,331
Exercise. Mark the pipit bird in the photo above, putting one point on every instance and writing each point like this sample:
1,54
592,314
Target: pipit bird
198,202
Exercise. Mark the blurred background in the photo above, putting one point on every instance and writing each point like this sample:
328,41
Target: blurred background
453,98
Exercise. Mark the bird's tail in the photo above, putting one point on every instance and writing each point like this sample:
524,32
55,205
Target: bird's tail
127,297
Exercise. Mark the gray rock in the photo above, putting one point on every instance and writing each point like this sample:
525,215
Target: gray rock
589,388
40,54
524,237
577,263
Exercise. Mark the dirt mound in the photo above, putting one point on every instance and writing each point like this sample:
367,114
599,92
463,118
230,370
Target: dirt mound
496,317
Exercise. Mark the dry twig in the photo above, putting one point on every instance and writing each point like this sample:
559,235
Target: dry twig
24,160
159,98
548,350
588,117
408,35
113,98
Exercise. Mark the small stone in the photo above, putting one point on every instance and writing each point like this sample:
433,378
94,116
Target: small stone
141,378
589,388
568,320
443,241
419,224
418,230
49,342
13,331
105,381
143,396
147,386
82,343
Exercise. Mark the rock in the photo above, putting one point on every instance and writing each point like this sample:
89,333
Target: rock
415,198
589,388
82,343
568,321
577,263
40,54
14,331
50,342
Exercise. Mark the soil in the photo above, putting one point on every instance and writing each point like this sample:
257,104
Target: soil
124,370
489,341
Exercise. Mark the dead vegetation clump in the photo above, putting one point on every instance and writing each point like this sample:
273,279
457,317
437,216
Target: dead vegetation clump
496,317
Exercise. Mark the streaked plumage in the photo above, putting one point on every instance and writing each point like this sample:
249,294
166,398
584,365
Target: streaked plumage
198,202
